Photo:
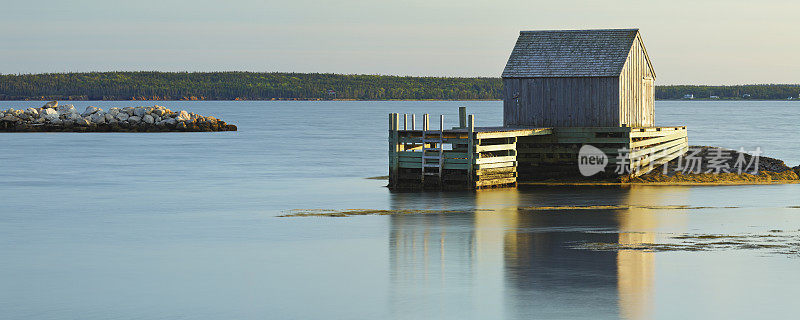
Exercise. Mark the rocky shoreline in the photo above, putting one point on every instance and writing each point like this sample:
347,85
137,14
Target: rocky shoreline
769,170
53,117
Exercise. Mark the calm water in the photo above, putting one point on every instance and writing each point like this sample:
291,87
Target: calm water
183,225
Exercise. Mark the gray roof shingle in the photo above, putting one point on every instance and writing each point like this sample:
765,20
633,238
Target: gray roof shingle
570,53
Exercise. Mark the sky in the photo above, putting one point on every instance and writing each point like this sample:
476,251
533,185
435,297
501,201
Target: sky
689,42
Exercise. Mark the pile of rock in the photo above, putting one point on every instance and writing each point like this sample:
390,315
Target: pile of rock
54,117
719,165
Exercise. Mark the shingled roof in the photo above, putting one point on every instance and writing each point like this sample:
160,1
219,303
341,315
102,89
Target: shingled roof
570,53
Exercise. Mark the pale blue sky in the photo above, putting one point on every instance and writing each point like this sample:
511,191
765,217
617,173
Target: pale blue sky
711,42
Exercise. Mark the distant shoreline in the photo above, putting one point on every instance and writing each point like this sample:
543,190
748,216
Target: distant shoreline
357,100
284,86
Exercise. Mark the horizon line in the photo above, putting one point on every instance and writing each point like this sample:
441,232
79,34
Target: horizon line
352,74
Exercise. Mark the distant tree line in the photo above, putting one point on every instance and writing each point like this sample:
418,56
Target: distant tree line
755,92
240,85
273,85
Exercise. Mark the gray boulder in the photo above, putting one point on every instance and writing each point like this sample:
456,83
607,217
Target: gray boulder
134,119
90,110
50,105
66,109
122,116
49,114
139,112
81,122
114,111
98,117
183,116
148,119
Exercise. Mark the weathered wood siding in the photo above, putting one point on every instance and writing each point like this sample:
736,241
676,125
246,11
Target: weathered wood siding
636,92
561,102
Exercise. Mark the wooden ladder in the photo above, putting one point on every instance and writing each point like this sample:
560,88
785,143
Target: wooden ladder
432,150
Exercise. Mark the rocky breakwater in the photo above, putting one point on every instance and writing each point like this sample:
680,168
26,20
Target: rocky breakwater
66,118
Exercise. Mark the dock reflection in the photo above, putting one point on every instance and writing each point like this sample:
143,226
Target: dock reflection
521,263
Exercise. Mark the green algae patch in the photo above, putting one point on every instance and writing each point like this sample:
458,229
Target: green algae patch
532,209
620,207
764,177
378,178
785,242
364,212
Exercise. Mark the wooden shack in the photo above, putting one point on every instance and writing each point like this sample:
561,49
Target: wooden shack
562,90
579,78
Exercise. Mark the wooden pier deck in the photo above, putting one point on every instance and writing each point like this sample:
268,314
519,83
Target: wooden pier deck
631,151
464,157
470,157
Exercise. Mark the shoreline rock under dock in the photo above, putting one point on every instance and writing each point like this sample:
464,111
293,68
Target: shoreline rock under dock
769,171
53,117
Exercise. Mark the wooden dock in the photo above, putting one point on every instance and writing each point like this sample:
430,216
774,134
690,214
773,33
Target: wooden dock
631,151
469,157
464,157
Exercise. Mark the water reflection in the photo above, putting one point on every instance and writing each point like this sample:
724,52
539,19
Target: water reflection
519,263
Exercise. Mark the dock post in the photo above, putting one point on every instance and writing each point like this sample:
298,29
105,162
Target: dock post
470,151
441,150
405,121
462,117
394,124
413,121
424,128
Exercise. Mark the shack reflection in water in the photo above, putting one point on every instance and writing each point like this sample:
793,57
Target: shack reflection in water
520,262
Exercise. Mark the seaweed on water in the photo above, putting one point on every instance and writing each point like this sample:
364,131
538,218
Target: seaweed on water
622,207
778,244
378,178
361,212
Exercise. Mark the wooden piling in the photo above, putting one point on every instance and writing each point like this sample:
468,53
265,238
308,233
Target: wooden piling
470,150
394,148
462,117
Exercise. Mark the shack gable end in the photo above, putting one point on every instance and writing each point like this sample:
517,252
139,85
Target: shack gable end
636,88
